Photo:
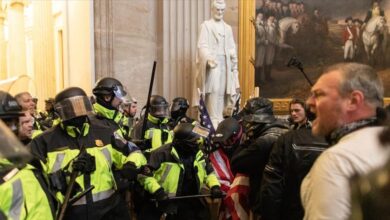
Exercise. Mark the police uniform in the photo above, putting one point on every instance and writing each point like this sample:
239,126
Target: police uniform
24,195
23,189
59,146
179,170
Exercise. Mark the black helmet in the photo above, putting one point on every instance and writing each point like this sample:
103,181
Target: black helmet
9,107
179,107
49,101
71,103
158,106
188,134
258,110
109,86
228,128
179,103
258,105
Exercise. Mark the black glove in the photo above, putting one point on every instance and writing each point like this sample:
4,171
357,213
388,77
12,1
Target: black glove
160,195
130,171
216,192
143,144
84,163
163,203
146,170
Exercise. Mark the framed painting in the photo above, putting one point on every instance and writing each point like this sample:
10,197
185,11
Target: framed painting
286,44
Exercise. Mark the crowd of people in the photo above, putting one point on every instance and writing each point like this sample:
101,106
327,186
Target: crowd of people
97,160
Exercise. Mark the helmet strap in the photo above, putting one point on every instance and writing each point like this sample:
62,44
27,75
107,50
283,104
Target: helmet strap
106,104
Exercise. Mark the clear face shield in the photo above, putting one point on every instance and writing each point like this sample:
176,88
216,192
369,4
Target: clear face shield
119,92
175,106
160,111
73,107
12,152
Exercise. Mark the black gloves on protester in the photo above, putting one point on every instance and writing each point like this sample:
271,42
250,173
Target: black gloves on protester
216,192
84,163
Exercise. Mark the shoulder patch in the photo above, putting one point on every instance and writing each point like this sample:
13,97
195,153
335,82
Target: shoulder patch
99,143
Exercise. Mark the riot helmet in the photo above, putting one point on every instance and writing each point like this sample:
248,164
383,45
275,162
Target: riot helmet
158,106
189,136
49,104
129,106
179,107
258,110
72,103
10,111
109,87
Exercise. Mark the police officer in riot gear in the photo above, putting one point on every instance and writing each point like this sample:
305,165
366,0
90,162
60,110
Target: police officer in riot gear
157,131
178,111
23,189
180,169
49,117
81,144
109,93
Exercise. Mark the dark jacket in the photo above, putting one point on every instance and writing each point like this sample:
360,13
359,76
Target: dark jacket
290,160
251,157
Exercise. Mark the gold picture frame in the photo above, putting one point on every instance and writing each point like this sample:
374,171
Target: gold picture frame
246,54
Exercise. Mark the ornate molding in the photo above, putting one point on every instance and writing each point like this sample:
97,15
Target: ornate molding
386,101
246,50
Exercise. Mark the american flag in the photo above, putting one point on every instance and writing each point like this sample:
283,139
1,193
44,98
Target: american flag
237,198
218,159
235,205
205,120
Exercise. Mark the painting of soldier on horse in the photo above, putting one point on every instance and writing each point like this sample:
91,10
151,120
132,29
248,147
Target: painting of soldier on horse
318,33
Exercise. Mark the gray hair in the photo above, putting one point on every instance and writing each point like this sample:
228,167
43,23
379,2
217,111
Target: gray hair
19,96
360,77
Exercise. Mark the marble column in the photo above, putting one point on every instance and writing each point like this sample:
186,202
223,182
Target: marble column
103,24
17,41
43,49
179,22
3,46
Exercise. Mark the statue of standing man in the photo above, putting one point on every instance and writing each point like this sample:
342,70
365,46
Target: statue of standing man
217,64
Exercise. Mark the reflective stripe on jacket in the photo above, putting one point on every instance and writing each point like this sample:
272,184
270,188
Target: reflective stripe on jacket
57,148
155,133
22,197
169,170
